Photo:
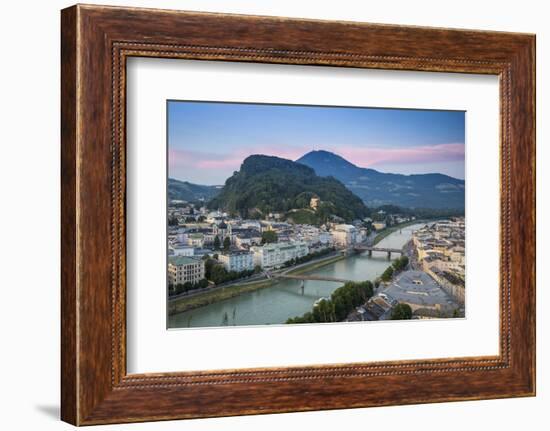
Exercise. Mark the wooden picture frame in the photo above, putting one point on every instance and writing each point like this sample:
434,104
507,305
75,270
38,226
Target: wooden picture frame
95,43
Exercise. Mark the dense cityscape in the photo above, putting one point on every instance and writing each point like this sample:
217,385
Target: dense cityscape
295,214
211,251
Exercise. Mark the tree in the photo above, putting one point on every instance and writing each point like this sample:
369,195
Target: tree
226,243
208,265
324,311
401,263
173,221
388,273
269,236
257,269
218,274
324,211
401,312
217,243
342,302
203,282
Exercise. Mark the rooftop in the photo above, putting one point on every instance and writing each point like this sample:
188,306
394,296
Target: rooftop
417,287
182,260
234,253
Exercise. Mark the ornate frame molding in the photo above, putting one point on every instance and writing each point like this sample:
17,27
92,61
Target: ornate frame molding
96,41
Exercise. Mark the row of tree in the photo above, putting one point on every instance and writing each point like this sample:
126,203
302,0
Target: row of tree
185,287
396,266
336,308
308,257
217,273
218,243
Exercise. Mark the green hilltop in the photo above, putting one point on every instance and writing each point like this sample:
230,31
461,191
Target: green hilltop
186,191
266,184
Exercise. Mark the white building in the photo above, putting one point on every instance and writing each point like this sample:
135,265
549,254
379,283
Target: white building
181,250
344,235
183,269
242,241
237,261
276,254
215,217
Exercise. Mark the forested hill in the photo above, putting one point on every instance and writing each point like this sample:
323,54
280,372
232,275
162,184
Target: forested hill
267,184
185,191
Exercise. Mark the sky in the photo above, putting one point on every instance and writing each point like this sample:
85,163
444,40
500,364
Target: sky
207,141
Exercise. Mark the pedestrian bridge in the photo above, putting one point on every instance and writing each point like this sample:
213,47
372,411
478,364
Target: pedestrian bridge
305,277
370,249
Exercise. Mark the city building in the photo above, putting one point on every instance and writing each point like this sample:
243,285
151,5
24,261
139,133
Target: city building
344,235
237,261
183,269
181,250
440,253
275,216
274,255
422,293
222,230
215,217
379,225
247,238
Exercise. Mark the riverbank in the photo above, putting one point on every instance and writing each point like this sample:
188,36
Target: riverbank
389,230
315,264
186,303
279,301
179,305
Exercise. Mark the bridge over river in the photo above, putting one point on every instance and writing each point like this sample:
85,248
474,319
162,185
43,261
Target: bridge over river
370,248
304,277
284,300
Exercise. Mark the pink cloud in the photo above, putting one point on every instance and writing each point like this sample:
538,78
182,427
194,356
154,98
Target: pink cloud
360,156
207,160
279,150
370,156
201,160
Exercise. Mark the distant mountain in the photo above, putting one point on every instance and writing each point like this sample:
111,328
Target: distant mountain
185,191
375,188
266,184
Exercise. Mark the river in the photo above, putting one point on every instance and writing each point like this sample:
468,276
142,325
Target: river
275,304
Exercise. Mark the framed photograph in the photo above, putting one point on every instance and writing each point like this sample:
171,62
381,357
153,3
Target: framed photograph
258,208
263,228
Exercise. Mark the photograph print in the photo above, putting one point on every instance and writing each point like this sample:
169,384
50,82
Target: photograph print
294,214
